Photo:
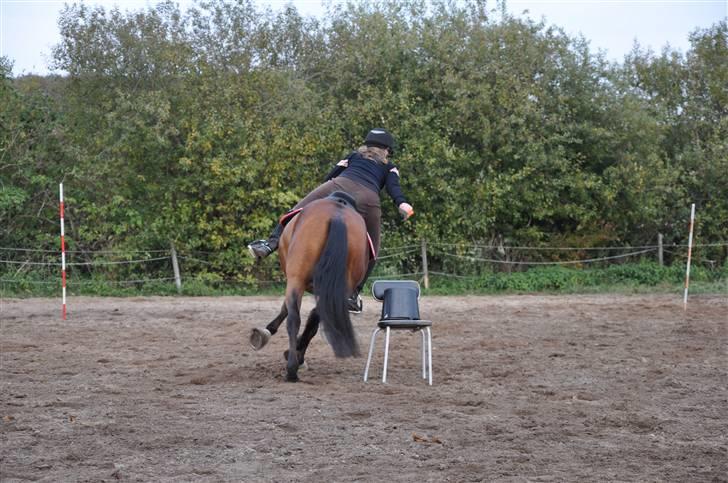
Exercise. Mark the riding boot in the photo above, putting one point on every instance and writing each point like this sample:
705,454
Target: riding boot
275,236
262,248
370,269
355,303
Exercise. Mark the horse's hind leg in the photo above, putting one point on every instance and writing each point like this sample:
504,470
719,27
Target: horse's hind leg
260,337
312,325
293,303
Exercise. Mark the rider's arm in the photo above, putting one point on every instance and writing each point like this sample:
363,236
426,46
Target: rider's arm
395,191
391,183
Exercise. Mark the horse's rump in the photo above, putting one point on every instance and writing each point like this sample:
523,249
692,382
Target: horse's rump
324,250
305,236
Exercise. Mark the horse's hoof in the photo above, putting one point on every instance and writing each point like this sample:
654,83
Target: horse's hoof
293,378
259,338
302,363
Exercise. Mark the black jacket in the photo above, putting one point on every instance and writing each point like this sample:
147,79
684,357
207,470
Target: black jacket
371,174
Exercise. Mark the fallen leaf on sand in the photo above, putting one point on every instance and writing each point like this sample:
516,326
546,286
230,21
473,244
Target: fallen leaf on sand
424,439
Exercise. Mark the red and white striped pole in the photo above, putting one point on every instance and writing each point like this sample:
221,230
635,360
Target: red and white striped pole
690,252
63,256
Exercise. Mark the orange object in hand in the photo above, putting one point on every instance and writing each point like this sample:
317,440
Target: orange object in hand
406,210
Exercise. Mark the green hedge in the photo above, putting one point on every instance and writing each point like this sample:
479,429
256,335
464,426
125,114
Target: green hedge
202,127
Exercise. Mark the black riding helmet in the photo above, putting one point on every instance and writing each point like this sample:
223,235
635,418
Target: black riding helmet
380,138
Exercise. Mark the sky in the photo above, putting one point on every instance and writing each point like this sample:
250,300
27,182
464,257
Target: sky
28,28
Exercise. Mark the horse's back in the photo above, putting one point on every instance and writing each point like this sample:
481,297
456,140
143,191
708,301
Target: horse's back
305,237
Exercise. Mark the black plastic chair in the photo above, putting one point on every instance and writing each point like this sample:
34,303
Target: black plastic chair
400,311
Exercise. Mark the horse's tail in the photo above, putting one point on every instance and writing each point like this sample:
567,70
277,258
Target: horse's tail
330,287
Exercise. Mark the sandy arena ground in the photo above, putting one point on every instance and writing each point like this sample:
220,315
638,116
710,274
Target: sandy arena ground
526,388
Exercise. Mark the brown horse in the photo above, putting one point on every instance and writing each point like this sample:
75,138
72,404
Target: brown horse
323,250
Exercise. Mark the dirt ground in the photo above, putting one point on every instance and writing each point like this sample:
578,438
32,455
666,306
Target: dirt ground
526,388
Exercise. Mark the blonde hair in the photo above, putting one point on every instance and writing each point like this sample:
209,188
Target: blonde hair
374,153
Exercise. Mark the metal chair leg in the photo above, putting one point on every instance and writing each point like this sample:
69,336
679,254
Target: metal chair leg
371,351
424,355
386,356
429,355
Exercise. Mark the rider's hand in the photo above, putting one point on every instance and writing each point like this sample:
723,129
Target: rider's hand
406,210
344,163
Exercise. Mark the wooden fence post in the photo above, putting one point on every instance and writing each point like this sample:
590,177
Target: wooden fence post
175,268
426,274
690,252
659,249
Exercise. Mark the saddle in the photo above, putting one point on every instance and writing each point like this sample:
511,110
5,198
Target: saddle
340,197
343,198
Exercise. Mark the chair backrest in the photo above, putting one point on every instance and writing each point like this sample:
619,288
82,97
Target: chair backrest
399,297
379,286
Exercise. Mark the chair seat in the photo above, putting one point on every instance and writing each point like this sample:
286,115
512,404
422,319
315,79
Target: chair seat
404,324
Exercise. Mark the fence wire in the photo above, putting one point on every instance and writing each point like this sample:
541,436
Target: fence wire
541,248
394,260
566,262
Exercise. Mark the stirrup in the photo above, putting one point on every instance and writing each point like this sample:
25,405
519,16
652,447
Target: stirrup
260,249
355,304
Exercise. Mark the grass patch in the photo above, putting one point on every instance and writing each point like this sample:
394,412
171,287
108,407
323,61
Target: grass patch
644,277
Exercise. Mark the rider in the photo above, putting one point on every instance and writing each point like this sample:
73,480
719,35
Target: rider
362,174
